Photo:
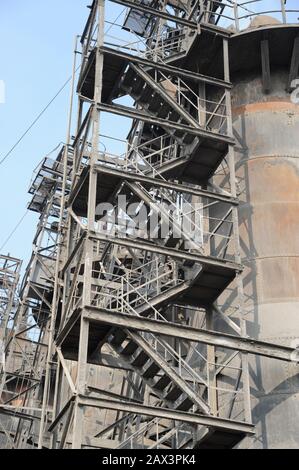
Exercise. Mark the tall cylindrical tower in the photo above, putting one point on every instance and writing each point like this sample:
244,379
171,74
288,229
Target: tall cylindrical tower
266,127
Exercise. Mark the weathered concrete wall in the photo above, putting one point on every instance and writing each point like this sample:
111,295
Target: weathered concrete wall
267,129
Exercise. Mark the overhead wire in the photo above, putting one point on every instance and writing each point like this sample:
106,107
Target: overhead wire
14,231
9,153
35,121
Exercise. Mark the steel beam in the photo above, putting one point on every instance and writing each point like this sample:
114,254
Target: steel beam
89,21
171,252
172,103
68,326
169,371
174,415
73,254
132,113
61,414
176,71
85,122
160,14
242,344
156,182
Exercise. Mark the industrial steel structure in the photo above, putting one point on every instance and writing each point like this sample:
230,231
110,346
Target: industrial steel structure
9,279
135,306
26,340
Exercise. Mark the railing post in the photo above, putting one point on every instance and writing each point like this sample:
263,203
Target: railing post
236,13
202,10
283,11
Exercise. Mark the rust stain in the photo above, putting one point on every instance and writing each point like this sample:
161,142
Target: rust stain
275,105
273,179
280,276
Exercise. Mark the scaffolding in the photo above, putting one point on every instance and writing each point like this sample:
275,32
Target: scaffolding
137,300
9,279
25,340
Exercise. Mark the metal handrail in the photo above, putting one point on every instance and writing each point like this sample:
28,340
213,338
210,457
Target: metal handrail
217,105
241,12
126,307
140,432
169,352
125,281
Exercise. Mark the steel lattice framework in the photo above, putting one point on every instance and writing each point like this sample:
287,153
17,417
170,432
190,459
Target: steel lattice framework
26,339
9,279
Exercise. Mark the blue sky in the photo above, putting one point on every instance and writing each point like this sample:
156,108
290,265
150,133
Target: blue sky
36,44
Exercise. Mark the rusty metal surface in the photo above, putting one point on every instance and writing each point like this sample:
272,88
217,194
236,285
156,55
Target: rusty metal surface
267,128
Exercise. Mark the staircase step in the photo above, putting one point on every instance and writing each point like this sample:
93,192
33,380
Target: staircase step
174,116
164,111
146,94
127,79
162,383
162,432
155,104
179,134
117,337
173,394
137,86
171,241
188,138
185,404
130,349
150,370
139,359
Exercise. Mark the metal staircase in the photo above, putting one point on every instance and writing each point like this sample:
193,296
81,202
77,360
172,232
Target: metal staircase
179,137
137,298
150,355
27,333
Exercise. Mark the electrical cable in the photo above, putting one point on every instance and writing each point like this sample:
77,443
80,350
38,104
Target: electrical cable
14,231
36,120
47,107
8,154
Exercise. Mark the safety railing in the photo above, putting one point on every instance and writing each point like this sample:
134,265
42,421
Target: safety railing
165,350
240,14
283,11
185,217
170,42
154,435
47,181
146,158
163,45
118,300
117,293
164,42
206,227
144,283
211,114
139,436
167,40
151,154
